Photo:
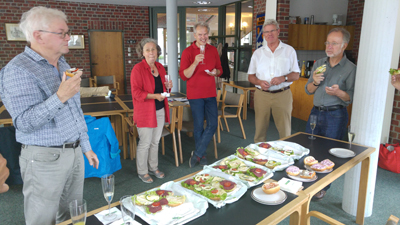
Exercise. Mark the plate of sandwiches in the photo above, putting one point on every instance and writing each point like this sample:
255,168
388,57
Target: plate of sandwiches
215,187
249,173
269,194
286,148
325,166
167,204
296,173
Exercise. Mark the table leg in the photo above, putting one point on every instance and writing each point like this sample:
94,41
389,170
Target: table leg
362,191
305,208
295,218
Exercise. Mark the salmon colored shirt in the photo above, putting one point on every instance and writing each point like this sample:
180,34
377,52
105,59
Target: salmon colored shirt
200,84
142,83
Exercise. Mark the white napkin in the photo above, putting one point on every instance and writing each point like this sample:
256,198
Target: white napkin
121,222
114,210
289,185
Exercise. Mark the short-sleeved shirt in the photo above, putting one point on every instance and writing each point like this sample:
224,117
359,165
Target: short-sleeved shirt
342,74
266,64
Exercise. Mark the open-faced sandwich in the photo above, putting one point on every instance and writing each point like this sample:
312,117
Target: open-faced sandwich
287,152
328,163
72,72
211,186
307,174
293,170
394,71
309,161
153,201
256,173
264,145
271,188
246,153
320,69
260,161
319,167
272,164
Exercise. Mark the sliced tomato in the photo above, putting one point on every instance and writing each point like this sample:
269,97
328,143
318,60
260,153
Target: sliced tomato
192,182
245,153
202,185
155,204
258,170
75,70
206,174
214,191
159,192
234,169
227,184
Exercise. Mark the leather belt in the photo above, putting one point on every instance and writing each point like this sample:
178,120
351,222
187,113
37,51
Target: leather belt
276,91
67,145
329,108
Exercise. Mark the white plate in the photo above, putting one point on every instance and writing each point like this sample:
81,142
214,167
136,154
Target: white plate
342,152
303,179
259,196
325,171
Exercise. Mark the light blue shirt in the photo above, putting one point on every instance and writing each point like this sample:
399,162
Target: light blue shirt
28,86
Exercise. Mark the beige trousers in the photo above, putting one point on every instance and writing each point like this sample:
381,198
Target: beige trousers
280,105
147,150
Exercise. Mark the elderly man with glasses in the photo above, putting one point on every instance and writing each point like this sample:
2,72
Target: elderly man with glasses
46,111
333,89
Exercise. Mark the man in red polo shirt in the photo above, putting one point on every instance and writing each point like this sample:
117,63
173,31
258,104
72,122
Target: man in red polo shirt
199,68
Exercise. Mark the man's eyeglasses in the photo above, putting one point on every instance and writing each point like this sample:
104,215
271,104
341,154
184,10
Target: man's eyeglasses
62,34
271,31
333,44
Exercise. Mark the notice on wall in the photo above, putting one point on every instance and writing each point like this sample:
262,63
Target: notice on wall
259,32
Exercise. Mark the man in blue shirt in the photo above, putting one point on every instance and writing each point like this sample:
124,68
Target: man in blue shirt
45,109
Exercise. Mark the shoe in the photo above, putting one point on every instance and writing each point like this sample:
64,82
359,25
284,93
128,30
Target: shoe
146,179
157,173
319,196
193,160
203,161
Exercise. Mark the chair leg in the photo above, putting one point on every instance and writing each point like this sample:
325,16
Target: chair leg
163,147
219,133
220,123
180,146
131,145
241,126
226,124
135,146
215,147
175,150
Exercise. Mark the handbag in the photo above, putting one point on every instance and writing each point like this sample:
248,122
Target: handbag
389,157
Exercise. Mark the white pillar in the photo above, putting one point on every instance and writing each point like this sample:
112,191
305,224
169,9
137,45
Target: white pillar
172,42
270,9
373,97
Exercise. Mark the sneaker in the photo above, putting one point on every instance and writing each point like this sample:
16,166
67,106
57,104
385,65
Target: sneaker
193,160
203,161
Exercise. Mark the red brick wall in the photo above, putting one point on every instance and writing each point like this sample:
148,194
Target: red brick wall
355,10
133,20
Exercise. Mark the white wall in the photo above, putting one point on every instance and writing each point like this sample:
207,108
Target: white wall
321,9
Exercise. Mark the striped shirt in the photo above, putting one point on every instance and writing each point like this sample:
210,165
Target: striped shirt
28,86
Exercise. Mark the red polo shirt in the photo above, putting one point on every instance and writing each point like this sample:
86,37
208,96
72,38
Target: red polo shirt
200,84
142,83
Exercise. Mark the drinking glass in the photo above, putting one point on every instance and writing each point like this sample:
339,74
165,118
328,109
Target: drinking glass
351,135
107,182
167,82
78,211
313,123
128,209
202,51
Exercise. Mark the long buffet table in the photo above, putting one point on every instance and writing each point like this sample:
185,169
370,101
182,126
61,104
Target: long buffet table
248,211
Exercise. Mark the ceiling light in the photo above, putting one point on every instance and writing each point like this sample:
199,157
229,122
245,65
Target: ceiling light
250,6
203,10
202,2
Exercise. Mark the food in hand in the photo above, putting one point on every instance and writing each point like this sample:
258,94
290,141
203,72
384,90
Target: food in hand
307,174
394,71
72,72
293,170
309,160
318,167
272,164
264,145
271,188
321,69
328,163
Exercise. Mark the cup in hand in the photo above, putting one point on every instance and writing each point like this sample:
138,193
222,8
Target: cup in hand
78,211
128,209
202,51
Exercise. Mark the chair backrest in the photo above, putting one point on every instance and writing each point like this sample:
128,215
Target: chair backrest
106,80
86,82
229,98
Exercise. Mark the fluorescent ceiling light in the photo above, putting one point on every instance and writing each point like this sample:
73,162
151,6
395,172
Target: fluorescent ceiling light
202,2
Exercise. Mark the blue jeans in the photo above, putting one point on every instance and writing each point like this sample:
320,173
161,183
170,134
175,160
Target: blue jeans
331,124
204,108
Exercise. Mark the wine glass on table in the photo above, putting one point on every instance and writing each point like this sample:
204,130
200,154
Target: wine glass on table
313,124
128,209
202,51
351,135
78,211
107,182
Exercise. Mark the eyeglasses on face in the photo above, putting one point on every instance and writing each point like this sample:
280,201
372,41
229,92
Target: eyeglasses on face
62,34
271,31
333,44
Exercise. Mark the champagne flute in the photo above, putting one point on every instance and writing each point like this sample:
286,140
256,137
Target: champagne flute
202,51
128,209
351,135
167,82
78,211
107,182
313,124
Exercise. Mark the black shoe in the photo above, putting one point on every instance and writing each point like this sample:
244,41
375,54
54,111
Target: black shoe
193,160
319,196
203,161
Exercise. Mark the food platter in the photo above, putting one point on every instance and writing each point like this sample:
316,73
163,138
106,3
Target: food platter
298,178
259,196
342,152
325,171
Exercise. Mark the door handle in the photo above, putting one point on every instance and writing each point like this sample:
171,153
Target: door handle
94,64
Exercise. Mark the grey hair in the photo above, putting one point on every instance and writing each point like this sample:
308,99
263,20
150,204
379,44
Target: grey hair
39,18
142,43
345,33
201,24
271,22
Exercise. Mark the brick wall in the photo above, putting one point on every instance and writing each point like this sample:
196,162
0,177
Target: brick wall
355,10
133,20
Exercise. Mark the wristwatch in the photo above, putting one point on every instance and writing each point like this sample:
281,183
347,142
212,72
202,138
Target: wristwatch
315,84
285,78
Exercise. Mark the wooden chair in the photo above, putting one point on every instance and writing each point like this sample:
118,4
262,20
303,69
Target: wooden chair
323,217
170,129
106,81
185,123
392,220
133,135
230,100
87,82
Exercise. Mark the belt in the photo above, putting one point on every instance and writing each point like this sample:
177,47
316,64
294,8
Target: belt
67,145
328,108
276,91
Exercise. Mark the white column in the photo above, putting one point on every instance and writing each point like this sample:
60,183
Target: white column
373,97
172,42
270,9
